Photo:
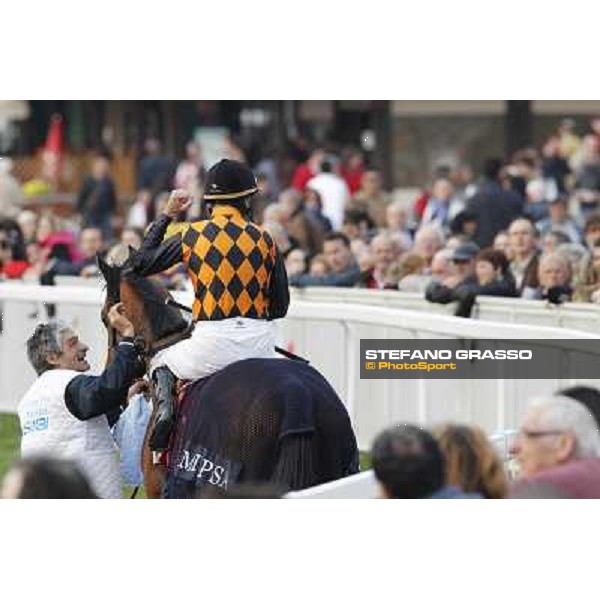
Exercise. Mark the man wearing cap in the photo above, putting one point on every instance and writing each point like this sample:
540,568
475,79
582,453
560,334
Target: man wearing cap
445,291
239,280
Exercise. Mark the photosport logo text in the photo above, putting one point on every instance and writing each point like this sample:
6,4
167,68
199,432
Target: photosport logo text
478,358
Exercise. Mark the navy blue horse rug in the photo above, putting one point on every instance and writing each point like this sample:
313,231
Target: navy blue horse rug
260,420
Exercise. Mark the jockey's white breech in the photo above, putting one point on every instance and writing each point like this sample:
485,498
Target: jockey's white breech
215,344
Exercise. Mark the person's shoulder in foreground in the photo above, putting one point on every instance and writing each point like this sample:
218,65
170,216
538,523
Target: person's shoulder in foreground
45,478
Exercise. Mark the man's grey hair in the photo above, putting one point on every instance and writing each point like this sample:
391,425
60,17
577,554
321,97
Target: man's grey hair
564,414
444,254
290,197
277,231
386,238
556,257
273,212
398,206
430,231
46,339
575,254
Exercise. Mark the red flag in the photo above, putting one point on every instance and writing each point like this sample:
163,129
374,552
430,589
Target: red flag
53,149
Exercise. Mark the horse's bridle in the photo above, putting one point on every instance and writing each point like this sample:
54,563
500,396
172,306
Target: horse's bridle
138,341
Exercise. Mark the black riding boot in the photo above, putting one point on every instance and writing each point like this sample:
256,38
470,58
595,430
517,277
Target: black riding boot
164,386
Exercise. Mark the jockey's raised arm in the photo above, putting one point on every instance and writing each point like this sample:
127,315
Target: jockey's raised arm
154,255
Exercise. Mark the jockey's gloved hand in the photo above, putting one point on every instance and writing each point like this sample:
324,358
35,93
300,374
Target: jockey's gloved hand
179,201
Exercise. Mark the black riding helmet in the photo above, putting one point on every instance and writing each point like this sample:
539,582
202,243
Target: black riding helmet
229,180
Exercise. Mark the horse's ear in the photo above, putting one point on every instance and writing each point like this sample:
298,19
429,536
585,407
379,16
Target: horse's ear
128,267
112,276
103,266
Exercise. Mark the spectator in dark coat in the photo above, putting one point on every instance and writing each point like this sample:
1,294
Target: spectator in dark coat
493,275
313,204
493,206
555,166
493,279
156,172
486,274
97,199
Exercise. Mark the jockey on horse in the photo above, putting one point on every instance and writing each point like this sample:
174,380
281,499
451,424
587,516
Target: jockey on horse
240,285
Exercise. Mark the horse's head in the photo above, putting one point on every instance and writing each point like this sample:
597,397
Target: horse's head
145,305
112,277
116,291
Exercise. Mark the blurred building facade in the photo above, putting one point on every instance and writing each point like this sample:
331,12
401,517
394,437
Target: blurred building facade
407,140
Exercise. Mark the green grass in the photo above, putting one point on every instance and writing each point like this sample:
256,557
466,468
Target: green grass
365,461
10,439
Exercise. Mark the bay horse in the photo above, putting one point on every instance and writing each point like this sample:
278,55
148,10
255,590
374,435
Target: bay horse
271,420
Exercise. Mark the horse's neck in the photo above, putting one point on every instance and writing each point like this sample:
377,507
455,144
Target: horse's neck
136,313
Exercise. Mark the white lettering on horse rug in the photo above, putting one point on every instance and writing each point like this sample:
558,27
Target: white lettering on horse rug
206,467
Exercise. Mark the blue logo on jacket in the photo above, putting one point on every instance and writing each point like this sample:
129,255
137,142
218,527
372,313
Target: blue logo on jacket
39,424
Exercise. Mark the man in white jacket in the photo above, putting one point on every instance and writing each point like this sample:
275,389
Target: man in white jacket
334,194
64,414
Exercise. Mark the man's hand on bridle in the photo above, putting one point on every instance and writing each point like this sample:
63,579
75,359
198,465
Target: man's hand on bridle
118,321
141,386
179,201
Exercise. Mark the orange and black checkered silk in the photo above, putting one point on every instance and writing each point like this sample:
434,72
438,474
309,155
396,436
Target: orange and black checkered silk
230,262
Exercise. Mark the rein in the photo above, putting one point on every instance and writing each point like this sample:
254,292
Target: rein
115,298
149,350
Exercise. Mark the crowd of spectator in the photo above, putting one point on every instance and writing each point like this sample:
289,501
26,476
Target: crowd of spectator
527,227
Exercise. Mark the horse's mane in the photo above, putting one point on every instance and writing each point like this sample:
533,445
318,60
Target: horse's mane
163,320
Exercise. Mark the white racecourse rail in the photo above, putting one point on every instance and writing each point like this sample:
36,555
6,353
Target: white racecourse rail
572,315
328,334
